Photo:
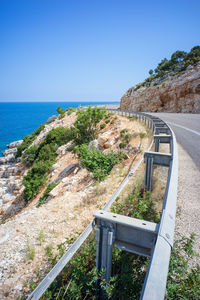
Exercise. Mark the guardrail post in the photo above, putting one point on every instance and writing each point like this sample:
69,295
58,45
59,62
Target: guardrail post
104,242
156,158
157,143
148,172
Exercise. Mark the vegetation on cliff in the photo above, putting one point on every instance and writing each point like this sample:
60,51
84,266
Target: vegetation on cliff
97,162
42,157
178,62
28,139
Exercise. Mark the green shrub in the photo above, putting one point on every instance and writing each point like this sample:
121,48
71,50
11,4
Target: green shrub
49,188
102,126
70,110
97,162
86,125
28,139
29,156
126,136
132,118
61,112
44,157
142,134
123,145
30,251
35,179
59,136
107,121
47,153
183,282
138,205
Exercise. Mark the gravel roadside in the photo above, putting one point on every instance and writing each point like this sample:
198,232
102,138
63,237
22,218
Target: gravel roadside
188,202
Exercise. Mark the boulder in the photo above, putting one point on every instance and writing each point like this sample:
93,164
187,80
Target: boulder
15,144
101,141
108,144
68,170
53,193
9,151
2,160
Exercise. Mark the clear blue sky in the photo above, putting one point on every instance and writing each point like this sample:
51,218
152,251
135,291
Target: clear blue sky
68,50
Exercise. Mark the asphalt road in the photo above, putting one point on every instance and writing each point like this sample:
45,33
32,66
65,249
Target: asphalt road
187,130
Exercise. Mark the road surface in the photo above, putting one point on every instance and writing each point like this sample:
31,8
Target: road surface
187,130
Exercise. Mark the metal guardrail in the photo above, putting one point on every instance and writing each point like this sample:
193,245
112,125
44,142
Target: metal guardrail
155,281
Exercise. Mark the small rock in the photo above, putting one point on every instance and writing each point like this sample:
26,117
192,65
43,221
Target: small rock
55,166
76,170
4,238
102,140
53,193
69,145
18,287
94,144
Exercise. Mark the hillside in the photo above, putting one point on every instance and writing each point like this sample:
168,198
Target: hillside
33,227
174,86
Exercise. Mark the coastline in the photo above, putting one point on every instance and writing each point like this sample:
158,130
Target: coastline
19,119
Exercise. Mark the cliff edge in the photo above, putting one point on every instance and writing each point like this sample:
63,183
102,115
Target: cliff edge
171,93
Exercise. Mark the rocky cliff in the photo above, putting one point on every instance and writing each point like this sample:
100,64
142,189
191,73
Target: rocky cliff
171,93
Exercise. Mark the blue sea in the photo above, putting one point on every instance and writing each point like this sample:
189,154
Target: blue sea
18,119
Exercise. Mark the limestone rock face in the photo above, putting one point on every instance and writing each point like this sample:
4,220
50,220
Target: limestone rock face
11,176
178,93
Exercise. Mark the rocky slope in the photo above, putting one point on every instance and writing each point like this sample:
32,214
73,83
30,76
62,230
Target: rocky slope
171,93
12,170
27,234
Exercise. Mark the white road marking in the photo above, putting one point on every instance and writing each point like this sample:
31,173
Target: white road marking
193,131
